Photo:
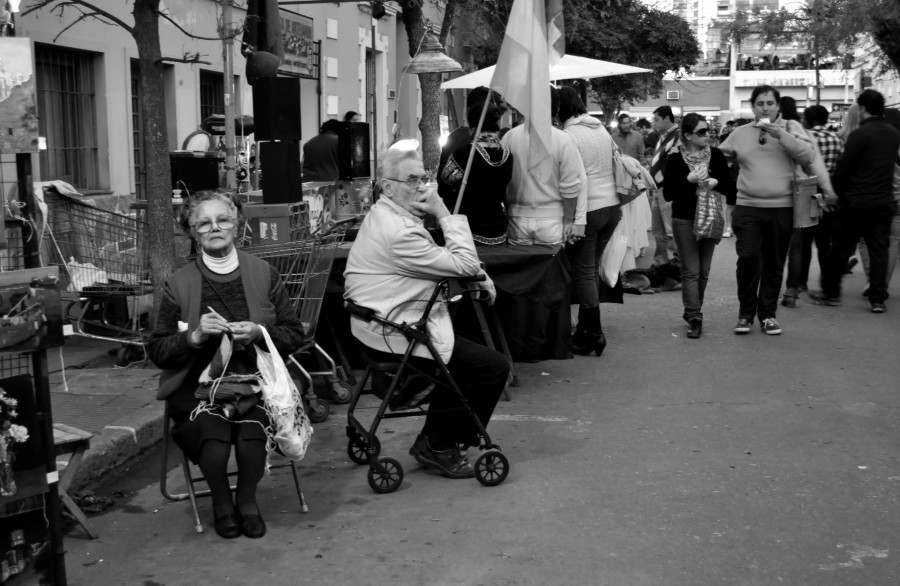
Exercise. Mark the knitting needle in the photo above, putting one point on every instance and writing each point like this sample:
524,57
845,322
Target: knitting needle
216,313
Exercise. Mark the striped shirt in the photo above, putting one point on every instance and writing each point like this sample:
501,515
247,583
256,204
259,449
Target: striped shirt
666,143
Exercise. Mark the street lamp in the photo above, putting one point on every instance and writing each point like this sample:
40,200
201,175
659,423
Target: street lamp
431,58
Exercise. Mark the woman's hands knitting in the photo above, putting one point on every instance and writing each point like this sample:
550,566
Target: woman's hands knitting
211,324
245,332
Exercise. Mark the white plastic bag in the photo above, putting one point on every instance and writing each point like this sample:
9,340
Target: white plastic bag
613,256
84,275
282,401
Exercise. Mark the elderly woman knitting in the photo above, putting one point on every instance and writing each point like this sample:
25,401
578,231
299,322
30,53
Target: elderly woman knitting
225,296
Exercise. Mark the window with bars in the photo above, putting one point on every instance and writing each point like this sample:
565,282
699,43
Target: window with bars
137,134
68,115
212,94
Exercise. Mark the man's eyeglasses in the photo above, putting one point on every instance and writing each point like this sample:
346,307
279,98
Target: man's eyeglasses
224,223
413,181
762,137
701,132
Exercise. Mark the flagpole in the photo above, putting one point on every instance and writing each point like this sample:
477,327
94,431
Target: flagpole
465,180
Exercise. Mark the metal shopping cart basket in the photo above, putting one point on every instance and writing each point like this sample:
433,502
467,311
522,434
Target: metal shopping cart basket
305,266
104,271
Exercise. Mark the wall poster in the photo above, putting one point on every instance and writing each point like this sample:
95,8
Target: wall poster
300,55
18,114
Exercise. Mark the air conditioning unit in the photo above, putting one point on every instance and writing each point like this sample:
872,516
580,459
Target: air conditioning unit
392,94
673,94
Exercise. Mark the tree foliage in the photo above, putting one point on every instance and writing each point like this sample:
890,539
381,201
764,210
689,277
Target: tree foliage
622,31
826,27
884,17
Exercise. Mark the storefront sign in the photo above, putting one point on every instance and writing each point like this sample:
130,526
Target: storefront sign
300,55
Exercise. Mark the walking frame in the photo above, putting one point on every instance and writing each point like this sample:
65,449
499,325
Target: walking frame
386,474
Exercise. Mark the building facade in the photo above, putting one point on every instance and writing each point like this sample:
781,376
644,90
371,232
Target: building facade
88,92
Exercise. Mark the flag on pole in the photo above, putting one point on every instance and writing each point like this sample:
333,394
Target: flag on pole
522,77
556,30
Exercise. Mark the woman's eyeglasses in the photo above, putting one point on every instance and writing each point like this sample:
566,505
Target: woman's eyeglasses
701,132
413,181
205,226
762,137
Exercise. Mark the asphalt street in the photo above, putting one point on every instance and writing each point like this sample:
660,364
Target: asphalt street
725,460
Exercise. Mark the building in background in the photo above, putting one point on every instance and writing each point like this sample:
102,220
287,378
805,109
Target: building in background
89,95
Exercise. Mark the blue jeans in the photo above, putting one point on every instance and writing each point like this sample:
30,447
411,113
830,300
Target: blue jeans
586,252
763,239
696,259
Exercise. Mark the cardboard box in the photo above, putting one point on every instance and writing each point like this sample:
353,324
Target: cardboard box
276,223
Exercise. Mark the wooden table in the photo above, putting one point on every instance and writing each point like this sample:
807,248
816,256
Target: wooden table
71,441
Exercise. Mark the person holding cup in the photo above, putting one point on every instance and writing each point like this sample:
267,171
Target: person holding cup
768,153
695,166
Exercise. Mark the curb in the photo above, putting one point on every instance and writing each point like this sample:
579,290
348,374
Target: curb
118,444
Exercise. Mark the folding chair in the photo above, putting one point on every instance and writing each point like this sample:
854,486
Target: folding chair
192,493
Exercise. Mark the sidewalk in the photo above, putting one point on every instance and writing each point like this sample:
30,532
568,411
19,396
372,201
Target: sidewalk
117,405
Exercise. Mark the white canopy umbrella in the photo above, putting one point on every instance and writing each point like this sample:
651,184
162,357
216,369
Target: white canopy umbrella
569,67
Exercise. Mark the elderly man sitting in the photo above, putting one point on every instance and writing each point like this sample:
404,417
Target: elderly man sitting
393,268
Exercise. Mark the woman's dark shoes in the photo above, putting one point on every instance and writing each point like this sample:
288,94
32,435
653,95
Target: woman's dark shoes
253,526
695,328
589,342
227,526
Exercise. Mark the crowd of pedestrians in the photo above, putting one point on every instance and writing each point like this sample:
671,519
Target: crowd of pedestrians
751,165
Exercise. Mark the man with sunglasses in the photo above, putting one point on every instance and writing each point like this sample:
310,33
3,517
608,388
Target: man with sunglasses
762,220
392,268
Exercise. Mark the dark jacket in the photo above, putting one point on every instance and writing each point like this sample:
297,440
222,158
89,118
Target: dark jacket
320,158
864,174
683,194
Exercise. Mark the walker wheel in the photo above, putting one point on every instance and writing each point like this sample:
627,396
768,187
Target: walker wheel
491,467
356,449
317,411
341,392
387,479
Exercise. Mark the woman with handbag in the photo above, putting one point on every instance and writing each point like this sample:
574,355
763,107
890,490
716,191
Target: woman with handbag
768,153
695,178
596,148
224,293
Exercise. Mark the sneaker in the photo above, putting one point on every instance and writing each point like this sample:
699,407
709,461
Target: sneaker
789,301
878,307
850,264
770,326
743,326
727,234
695,328
450,462
819,298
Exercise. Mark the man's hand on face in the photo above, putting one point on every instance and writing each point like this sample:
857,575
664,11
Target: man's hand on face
428,202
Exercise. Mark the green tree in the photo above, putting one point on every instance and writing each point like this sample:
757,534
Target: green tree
827,28
884,17
622,31
633,34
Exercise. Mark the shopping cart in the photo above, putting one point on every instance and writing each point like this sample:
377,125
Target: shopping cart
104,271
305,266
